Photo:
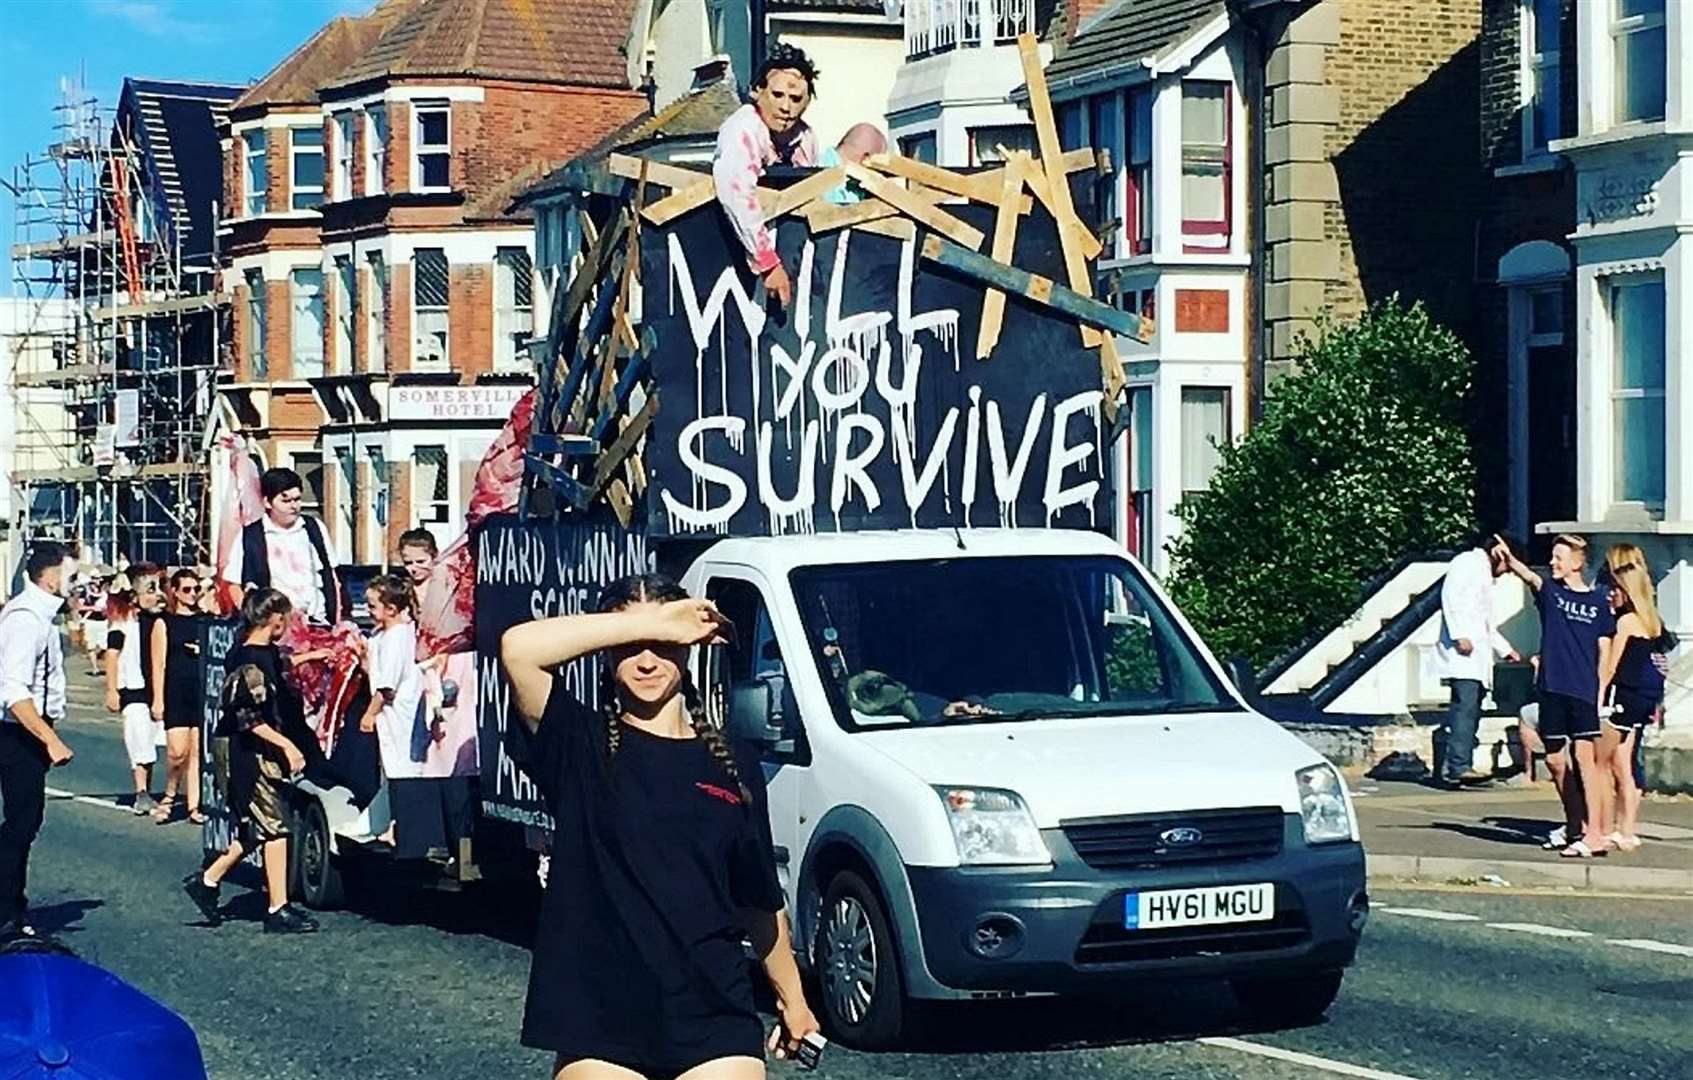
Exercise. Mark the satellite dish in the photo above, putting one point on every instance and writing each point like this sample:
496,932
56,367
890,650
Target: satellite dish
890,8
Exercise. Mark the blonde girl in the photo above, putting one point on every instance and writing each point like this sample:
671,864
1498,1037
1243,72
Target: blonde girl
1636,684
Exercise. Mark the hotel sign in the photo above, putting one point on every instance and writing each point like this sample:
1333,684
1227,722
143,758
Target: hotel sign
477,404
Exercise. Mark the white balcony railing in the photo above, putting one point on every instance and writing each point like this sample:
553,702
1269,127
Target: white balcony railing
937,26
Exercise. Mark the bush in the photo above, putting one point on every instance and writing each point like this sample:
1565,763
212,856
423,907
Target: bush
1361,456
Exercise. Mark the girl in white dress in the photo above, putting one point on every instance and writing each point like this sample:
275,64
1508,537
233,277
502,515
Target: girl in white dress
396,683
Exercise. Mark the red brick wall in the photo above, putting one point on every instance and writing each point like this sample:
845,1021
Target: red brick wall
471,315
356,173
399,506
279,352
239,329
399,146
399,317
516,125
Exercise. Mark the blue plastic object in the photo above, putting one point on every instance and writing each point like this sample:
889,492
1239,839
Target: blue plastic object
63,1019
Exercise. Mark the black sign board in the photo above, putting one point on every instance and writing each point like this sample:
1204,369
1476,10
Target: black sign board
863,405
533,570
217,639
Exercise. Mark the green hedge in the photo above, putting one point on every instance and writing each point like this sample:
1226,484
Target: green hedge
1361,456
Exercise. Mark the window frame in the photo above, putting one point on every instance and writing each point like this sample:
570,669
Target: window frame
1201,227
1191,390
295,153
308,463
1025,140
444,310
1538,69
421,150
346,315
1139,507
258,322
342,175
917,141
376,313
1621,28
255,150
1618,394
295,339
513,318
376,134
439,510
1139,209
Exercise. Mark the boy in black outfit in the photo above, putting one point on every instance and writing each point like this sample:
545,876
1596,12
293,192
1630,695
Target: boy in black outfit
254,760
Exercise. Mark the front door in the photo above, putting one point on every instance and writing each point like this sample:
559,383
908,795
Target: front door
1551,434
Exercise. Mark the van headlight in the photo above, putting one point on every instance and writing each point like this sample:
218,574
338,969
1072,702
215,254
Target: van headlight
993,827
1322,804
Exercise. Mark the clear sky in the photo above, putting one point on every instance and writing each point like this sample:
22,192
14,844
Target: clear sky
46,43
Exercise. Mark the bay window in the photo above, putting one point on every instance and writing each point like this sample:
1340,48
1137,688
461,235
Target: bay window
985,142
257,368
345,290
1138,511
305,152
1137,203
1105,120
305,293
430,504
376,316
432,140
1639,69
430,328
253,145
1205,165
1637,391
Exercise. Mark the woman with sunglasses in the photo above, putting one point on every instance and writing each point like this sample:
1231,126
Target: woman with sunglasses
176,695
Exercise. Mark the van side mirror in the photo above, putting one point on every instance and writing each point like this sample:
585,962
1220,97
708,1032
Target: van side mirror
752,708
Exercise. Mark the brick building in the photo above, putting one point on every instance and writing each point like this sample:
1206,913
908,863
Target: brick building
384,286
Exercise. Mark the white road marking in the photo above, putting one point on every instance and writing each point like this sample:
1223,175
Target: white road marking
1653,946
1430,913
89,800
1225,1042
1536,928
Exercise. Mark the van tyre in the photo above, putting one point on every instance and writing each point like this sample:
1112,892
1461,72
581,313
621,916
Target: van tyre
855,959
317,880
1288,1001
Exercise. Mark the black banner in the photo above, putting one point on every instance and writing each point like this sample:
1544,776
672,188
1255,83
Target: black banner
217,639
863,405
535,570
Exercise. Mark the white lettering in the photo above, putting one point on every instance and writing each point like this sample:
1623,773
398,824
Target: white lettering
851,380
917,485
1008,479
704,472
851,469
1061,455
792,514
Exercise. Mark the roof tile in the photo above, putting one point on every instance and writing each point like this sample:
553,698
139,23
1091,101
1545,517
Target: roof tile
1131,30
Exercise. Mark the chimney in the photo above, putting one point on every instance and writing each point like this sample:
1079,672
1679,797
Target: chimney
1079,12
712,71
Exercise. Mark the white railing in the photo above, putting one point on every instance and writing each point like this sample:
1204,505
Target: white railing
936,26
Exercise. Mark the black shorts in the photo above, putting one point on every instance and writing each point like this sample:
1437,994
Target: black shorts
182,711
1629,717
1563,718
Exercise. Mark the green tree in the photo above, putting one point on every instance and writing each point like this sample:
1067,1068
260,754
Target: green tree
1361,456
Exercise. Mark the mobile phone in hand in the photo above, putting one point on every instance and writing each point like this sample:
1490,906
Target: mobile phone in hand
810,1051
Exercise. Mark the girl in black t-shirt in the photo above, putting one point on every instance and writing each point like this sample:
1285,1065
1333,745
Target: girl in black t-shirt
662,863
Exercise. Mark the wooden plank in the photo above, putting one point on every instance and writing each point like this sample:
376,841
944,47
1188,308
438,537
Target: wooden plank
624,444
914,207
825,217
661,173
797,194
1004,242
898,228
983,187
679,202
1042,290
621,504
1111,375
1091,247
1070,232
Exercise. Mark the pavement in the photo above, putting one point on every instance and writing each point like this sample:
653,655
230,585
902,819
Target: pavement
1413,832
1451,982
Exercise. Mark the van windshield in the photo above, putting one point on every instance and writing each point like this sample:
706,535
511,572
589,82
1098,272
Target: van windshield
985,640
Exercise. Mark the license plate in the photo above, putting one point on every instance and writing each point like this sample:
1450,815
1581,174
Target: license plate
1199,907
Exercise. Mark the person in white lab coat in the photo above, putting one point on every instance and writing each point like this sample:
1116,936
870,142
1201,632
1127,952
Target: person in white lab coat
1469,644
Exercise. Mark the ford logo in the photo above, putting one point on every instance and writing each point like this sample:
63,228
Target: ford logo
1182,836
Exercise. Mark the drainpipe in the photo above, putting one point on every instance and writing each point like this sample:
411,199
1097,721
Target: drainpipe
1256,61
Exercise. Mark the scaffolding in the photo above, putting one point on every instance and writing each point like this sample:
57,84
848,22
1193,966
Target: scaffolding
115,360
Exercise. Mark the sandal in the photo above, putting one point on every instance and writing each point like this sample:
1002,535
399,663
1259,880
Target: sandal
163,810
1580,850
1556,840
196,817
1625,842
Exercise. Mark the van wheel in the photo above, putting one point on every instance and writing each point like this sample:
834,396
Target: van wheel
317,880
857,967
1287,1002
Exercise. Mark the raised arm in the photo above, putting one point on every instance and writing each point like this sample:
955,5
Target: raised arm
1516,565
531,650
156,661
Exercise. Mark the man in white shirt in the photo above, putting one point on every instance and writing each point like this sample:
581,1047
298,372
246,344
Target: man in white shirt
285,550
32,694
1469,643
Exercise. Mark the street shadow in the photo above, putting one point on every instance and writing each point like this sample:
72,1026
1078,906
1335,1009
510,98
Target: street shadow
504,910
1532,830
1491,833
63,917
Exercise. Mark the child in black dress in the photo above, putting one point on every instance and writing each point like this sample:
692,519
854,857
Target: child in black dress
662,858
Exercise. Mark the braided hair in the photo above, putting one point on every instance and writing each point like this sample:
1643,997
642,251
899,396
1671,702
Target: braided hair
660,589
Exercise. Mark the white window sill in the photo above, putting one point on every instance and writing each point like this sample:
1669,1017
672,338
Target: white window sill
1627,520
1616,133
1184,258
277,215
1532,166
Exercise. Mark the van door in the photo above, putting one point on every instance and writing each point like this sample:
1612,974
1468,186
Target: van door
754,659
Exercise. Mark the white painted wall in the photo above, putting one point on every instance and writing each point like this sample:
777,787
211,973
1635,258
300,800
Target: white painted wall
857,59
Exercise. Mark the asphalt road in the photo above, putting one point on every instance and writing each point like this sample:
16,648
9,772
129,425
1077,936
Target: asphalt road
1448,984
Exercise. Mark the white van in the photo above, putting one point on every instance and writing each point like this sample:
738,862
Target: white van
1000,763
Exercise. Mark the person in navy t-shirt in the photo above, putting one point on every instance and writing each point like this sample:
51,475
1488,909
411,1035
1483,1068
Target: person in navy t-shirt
1576,627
